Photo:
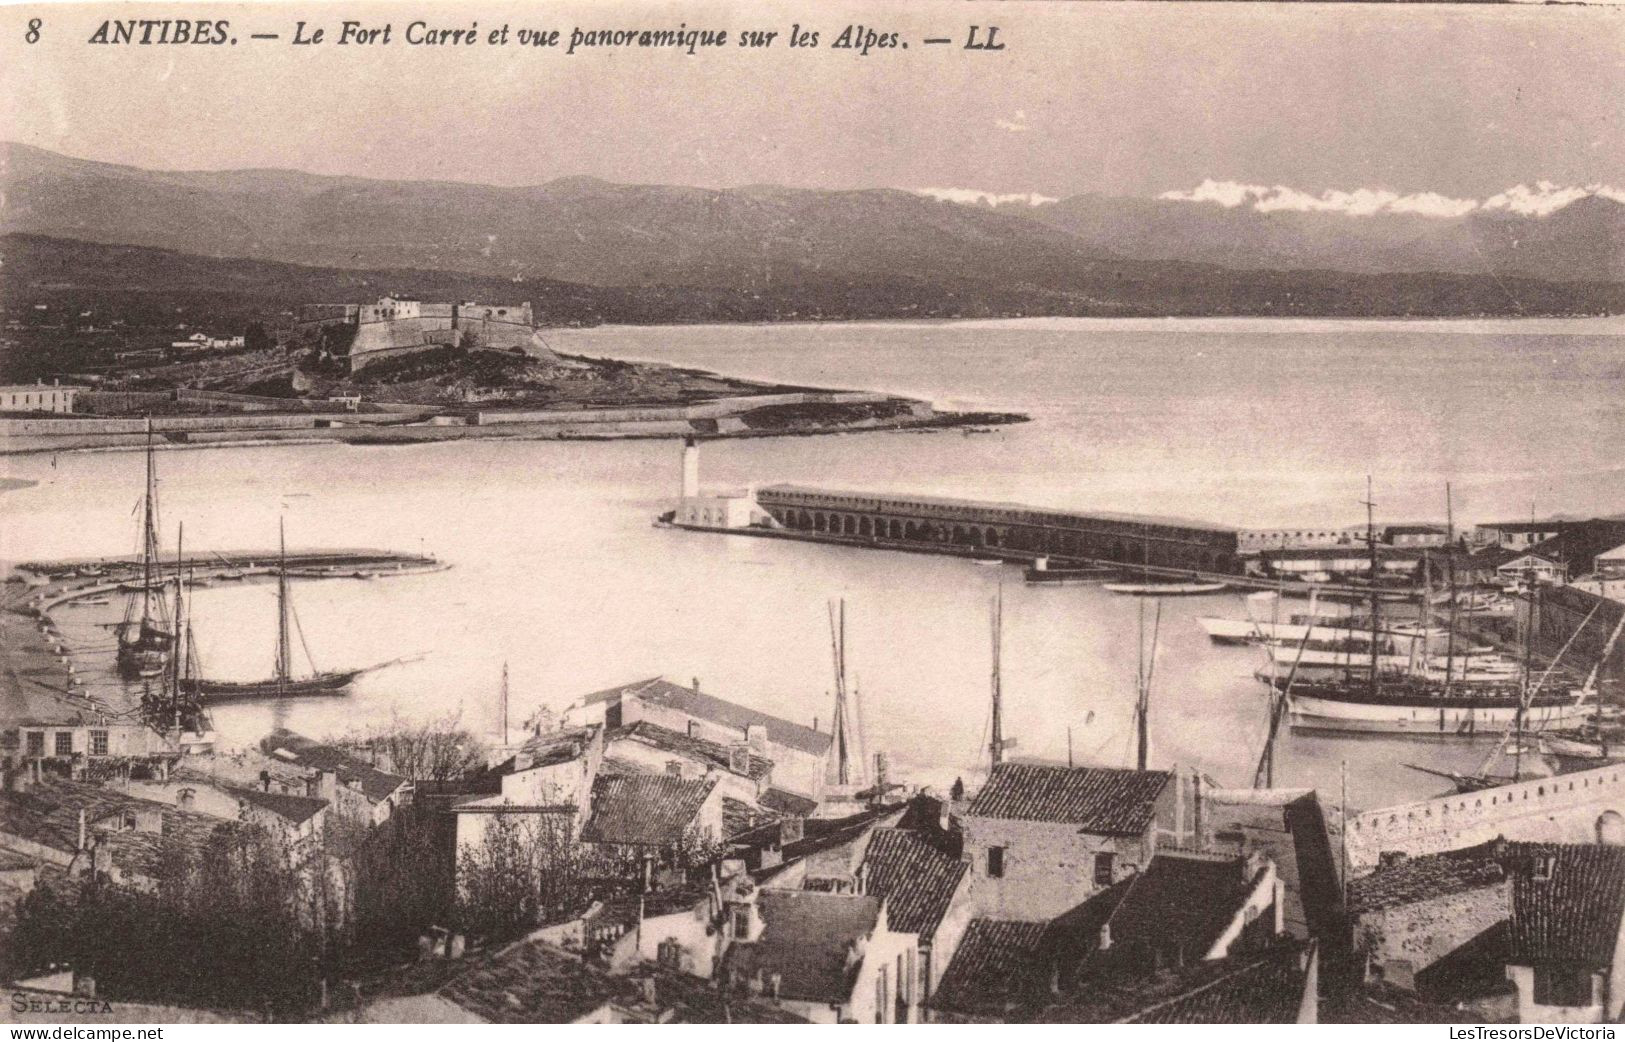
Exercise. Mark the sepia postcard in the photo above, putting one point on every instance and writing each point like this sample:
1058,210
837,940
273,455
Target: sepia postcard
839,512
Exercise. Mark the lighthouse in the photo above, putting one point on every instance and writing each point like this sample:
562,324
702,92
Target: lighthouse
691,468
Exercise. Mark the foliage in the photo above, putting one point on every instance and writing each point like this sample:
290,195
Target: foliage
528,869
434,750
225,926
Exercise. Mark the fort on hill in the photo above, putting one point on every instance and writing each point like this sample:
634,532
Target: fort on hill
359,335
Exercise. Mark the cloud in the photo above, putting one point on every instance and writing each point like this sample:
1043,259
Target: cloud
1014,126
1541,199
976,197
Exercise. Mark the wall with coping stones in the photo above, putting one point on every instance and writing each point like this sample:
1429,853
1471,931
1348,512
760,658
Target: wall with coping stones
1557,810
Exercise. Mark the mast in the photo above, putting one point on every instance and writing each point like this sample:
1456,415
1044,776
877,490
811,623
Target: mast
1142,710
1372,683
996,741
1528,690
284,652
176,650
504,703
149,533
1455,607
838,722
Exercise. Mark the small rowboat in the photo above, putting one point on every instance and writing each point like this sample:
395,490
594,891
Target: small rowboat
1189,589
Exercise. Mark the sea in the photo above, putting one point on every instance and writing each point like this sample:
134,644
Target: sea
558,573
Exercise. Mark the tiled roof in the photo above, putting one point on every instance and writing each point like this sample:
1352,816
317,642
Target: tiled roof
297,809
916,881
48,814
535,983
1096,799
805,940
553,748
1256,988
1428,876
993,969
658,691
739,817
376,785
755,767
1574,915
788,803
531,984
1179,905
644,809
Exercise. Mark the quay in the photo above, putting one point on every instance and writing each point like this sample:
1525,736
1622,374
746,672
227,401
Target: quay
45,679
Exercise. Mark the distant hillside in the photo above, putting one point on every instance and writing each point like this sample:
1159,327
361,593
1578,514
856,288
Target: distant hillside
585,250
1584,241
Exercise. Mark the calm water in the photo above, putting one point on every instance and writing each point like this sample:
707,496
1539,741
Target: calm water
558,572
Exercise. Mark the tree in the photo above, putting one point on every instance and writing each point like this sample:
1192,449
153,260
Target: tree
434,750
218,925
255,338
527,869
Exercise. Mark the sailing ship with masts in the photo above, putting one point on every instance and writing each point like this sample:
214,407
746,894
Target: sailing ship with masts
1422,701
146,637
283,683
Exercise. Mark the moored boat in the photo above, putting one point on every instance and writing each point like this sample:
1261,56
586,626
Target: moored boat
1185,589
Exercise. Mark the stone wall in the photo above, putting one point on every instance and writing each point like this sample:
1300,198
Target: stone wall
1050,867
1404,940
1565,809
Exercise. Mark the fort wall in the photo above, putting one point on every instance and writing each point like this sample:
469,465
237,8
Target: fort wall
1563,809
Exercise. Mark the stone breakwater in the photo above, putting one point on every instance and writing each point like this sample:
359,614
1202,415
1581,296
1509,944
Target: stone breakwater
807,412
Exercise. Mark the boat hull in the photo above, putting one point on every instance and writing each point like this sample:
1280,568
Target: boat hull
217,692
1458,719
1166,589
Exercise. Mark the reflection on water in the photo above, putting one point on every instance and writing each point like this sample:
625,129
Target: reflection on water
558,572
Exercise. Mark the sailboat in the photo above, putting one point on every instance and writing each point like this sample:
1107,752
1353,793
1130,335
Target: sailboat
283,683
146,640
1416,702
173,709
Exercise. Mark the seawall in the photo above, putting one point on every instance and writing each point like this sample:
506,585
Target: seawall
1562,809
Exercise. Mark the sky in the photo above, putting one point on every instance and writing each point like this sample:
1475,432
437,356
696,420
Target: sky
1460,103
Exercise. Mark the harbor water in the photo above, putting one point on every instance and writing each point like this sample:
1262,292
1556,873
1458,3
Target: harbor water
557,570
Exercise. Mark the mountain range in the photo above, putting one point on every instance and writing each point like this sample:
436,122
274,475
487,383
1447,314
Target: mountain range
764,252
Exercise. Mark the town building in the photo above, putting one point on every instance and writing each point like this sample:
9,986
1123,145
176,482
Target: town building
1459,924
1567,956
1522,568
1040,838
828,958
799,753
1610,564
646,747
1416,535
659,817
79,828
1413,915
57,398
357,789
1517,535
925,891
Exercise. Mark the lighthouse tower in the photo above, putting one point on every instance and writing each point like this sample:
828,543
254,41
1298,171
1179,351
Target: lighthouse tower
691,468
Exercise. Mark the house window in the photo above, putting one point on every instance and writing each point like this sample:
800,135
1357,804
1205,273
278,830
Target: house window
742,921
98,743
36,743
1562,986
64,743
1104,868
880,996
995,862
